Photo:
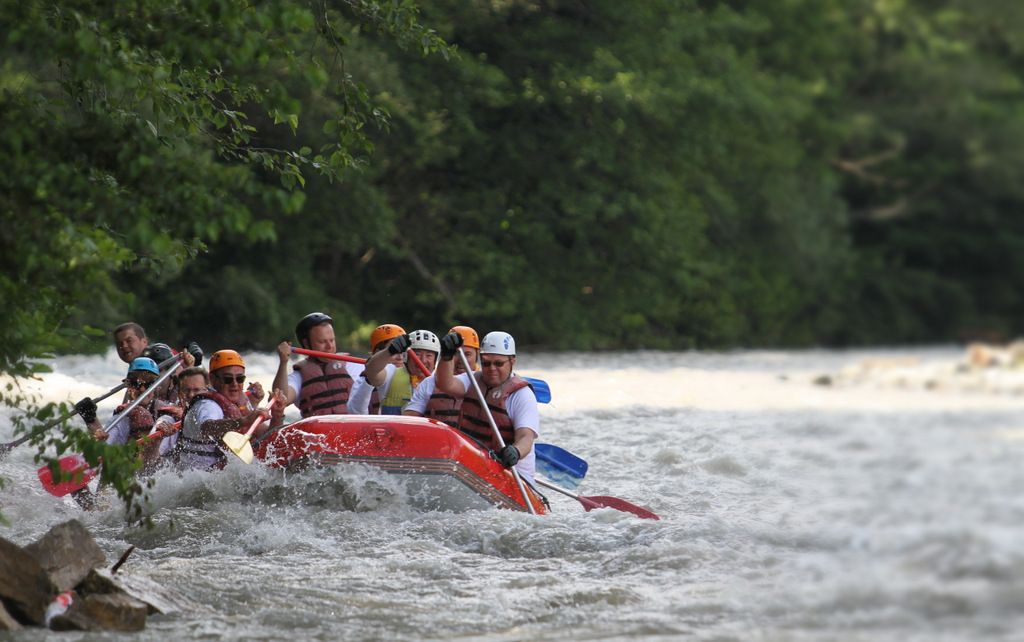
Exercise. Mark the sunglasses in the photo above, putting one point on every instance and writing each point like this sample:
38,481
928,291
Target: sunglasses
138,384
227,380
497,364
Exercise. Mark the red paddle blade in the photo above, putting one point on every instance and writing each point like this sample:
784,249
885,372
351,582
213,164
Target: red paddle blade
78,470
603,501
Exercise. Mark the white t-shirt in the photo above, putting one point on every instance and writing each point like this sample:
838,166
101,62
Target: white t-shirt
521,407
117,434
295,378
359,396
421,396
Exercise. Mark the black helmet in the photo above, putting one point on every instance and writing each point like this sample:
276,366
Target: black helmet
158,352
309,322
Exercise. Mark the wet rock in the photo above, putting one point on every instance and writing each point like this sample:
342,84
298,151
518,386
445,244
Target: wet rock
102,612
7,621
156,597
25,587
823,380
67,552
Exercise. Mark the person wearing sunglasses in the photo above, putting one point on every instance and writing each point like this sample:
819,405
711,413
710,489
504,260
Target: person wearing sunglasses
429,402
393,384
510,399
142,373
218,410
317,386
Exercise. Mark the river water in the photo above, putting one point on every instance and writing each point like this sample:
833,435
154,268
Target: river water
789,511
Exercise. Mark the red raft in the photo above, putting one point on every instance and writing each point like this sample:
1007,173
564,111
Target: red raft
447,465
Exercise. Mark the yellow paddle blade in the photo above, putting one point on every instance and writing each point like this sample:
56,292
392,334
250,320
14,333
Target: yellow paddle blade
245,454
239,444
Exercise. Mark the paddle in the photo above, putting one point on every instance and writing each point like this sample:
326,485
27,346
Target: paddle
560,465
6,448
419,364
328,355
494,427
76,463
540,389
600,501
239,443
74,475
351,359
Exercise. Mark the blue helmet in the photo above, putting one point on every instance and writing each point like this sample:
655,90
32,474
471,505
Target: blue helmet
143,364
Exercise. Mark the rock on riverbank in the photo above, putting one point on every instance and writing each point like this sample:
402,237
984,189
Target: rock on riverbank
58,582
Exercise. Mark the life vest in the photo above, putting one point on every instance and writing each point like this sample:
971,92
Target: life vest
191,440
473,420
140,422
399,393
444,407
325,388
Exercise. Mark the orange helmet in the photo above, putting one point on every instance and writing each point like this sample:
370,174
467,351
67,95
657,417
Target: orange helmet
470,339
225,358
384,333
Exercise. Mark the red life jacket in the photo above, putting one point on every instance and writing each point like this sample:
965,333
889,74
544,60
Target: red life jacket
445,407
473,420
325,388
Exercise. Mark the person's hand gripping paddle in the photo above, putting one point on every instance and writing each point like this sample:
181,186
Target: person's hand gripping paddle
239,442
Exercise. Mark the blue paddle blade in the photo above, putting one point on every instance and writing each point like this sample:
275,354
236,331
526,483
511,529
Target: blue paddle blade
560,465
541,389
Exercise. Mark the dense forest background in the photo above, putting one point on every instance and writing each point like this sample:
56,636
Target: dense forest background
586,174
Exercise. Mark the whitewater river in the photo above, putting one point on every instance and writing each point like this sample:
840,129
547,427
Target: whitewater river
863,510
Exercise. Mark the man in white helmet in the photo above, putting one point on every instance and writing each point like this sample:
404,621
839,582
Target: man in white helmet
510,398
394,384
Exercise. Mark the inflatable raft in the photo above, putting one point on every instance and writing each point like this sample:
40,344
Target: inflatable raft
445,467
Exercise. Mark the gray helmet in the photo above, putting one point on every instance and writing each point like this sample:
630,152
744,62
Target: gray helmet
309,322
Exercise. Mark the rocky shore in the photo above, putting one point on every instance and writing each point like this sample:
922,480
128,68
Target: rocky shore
60,582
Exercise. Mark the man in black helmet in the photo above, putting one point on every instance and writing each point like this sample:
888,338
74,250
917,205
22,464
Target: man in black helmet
316,386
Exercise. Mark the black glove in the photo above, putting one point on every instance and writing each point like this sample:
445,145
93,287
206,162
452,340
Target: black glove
87,409
449,345
197,352
509,456
399,344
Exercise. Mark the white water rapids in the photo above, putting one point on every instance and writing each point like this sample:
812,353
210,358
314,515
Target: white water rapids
870,509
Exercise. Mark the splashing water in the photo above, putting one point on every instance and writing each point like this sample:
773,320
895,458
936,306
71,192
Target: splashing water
789,512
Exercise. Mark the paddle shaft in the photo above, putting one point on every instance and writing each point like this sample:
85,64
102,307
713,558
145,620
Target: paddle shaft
4,448
419,364
258,420
328,355
347,357
494,427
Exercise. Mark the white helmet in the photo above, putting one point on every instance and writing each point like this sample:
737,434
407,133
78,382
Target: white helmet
498,343
424,340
